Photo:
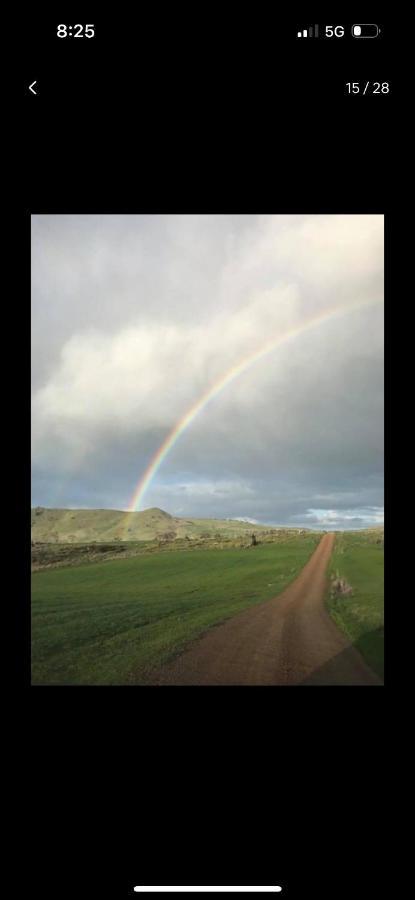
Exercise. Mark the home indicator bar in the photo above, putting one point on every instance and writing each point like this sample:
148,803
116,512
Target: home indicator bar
273,889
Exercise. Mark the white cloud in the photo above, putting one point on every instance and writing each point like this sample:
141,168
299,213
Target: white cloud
147,376
245,519
345,518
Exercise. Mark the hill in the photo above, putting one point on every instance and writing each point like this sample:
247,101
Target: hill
79,526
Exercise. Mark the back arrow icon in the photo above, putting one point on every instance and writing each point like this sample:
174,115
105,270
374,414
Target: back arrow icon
31,87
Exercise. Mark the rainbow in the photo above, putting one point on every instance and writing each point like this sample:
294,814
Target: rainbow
220,384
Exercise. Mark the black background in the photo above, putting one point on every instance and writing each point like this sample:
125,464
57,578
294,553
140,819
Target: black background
189,111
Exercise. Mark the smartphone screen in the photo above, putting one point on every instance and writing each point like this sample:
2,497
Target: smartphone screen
205,214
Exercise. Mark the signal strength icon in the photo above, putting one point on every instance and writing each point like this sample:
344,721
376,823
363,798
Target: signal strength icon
310,31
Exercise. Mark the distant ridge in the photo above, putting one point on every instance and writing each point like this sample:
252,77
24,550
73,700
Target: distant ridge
78,526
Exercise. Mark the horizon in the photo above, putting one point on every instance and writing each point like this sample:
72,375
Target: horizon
213,518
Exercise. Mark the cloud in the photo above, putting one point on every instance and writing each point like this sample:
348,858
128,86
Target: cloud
147,376
367,517
246,519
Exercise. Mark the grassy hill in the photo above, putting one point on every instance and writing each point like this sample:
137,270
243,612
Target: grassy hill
80,526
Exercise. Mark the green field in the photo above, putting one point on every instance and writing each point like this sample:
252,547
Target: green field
358,557
112,622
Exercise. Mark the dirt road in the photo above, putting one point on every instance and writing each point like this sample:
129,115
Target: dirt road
288,640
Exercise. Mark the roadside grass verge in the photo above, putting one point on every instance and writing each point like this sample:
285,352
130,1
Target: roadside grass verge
112,622
358,559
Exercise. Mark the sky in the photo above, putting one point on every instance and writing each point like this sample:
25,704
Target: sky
135,317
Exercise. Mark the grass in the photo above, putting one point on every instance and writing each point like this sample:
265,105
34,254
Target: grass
112,622
358,557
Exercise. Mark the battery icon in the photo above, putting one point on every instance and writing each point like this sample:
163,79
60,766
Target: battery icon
365,31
